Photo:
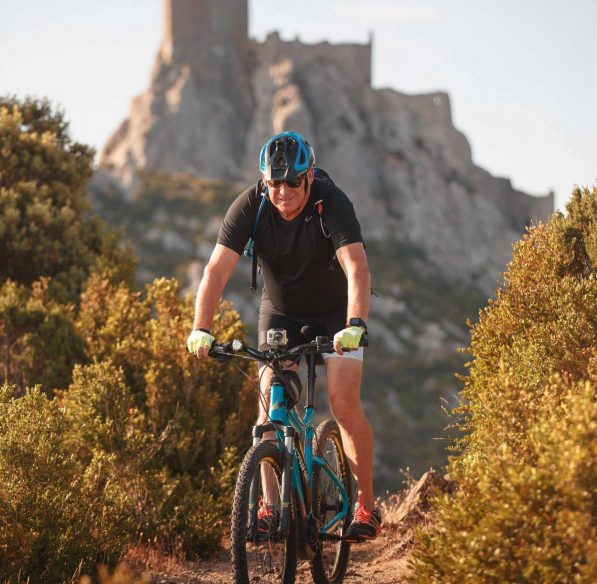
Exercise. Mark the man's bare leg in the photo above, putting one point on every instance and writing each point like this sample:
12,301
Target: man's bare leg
344,392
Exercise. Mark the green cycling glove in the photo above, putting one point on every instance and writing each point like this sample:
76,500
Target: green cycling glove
199,340
350,337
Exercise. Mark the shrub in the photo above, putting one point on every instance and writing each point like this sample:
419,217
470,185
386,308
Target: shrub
38,340
44,229
44,525
524,512
530,521
84,475
141,443
49,244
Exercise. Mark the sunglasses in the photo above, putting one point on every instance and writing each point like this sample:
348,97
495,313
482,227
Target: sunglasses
293,184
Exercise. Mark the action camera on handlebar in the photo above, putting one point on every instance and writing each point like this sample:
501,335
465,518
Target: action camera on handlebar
277,338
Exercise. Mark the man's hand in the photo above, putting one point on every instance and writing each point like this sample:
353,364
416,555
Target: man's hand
199,343
348,338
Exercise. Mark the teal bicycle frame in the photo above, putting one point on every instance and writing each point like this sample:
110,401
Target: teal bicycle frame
295,438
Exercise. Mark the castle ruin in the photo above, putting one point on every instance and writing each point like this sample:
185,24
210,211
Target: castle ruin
215,32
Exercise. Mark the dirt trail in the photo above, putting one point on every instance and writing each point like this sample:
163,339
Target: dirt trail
383,561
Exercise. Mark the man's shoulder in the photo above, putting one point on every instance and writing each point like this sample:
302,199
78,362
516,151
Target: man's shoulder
327,190
247,200
252,193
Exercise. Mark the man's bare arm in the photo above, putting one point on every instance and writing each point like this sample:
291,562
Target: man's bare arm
216,274
353,259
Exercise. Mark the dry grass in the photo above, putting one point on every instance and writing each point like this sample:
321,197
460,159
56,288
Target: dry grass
389,505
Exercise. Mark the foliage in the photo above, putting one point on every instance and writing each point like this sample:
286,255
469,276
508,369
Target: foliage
44,229
46,513
101,467
199,411
530,521
193,400
38,340
48,244
525,510
544,320
140,442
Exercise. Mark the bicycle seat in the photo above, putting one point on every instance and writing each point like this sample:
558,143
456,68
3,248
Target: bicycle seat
293,387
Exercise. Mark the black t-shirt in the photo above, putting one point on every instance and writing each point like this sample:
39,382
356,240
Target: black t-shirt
301,274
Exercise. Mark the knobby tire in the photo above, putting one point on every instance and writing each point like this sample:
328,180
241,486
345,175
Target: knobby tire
331,560
246,570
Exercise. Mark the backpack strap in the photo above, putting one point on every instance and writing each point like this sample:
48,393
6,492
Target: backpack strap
251,251
318,206
320,173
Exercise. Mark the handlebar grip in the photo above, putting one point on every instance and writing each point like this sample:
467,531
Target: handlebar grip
218,353
215,350
364,342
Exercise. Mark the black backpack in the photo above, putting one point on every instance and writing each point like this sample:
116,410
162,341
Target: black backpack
251,251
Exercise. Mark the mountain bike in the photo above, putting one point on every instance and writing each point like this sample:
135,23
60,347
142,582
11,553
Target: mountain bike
301,474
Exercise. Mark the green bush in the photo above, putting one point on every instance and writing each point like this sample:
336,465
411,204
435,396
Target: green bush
38,340
46,516
49,244
530,521
199,407
141,441
525,509
84,475
44,228
125,467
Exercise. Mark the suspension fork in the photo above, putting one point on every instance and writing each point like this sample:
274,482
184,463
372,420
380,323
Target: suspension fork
289,437
253,503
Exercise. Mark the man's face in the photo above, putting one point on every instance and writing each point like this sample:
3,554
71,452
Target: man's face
290,201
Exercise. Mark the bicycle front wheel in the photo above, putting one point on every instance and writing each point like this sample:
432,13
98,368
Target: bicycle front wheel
331,560
257,554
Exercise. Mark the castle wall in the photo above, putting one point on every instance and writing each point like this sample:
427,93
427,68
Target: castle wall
352,58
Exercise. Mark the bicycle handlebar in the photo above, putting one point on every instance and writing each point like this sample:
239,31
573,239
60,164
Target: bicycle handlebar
225,351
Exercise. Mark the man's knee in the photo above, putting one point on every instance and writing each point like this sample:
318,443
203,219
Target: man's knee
345,402
346,408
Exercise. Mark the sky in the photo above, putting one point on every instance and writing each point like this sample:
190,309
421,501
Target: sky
521,74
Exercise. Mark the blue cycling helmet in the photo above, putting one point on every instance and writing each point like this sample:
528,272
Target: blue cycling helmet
286,157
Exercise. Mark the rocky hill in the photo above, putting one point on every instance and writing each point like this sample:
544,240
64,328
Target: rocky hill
438,228
215,97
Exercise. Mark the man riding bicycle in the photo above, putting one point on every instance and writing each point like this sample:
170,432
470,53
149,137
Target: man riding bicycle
316,274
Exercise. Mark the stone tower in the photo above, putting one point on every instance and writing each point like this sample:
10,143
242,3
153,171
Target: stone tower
198,31
199,105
